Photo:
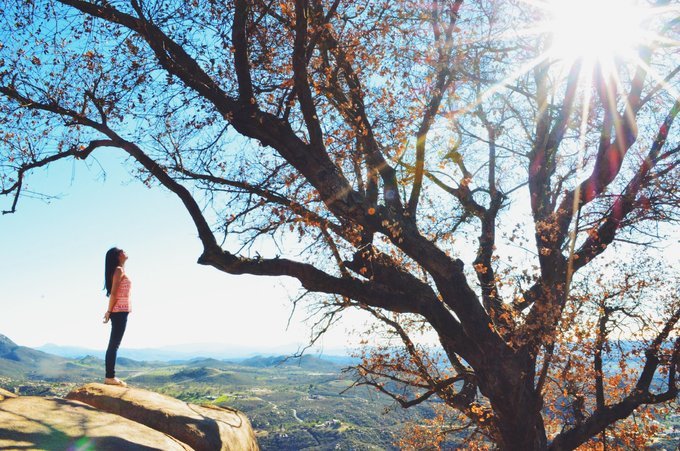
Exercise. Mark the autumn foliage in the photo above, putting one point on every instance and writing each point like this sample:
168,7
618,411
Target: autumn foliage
432,164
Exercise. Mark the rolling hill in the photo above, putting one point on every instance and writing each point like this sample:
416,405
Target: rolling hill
20,361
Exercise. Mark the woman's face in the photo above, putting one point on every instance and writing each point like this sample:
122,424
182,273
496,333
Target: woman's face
122,257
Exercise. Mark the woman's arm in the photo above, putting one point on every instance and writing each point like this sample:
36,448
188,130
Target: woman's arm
113,298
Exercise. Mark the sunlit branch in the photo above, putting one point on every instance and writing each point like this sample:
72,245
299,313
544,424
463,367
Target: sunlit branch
443,81
662,84
462,192
542,162
351,107
576,211
487,241
500,85
301,76
546,309
607,166
596,243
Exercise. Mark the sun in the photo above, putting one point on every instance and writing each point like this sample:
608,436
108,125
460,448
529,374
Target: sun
595,30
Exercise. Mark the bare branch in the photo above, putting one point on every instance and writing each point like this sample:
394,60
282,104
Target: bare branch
77,152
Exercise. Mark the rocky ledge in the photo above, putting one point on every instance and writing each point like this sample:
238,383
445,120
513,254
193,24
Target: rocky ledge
105,417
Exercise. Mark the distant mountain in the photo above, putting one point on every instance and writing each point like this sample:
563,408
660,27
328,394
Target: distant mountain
203,362
182,353
307,362
6,345
342,360
90,360
20,361
23,363
72,352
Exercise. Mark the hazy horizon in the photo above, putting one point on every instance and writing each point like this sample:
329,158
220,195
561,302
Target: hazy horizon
207,347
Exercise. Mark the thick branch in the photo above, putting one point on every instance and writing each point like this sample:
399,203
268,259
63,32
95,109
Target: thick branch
487,242
301,77
542,158
312,162
239,37
314,279
609,157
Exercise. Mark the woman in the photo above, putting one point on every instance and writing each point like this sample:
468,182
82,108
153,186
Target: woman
117,285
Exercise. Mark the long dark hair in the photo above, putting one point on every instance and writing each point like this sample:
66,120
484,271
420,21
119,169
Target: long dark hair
110,265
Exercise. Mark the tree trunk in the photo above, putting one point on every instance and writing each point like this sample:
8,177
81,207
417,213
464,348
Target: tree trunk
517,407
522,430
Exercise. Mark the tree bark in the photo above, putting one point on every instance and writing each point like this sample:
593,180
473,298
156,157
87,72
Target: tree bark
522,430
517,404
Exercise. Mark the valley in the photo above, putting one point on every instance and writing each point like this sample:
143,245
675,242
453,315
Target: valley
292,403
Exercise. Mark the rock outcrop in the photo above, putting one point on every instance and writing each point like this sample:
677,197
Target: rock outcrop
202,428
32,422
105,417
6,394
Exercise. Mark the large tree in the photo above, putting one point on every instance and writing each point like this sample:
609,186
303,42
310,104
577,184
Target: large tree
441,165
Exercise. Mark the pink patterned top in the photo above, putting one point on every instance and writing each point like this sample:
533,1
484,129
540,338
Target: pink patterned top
123,295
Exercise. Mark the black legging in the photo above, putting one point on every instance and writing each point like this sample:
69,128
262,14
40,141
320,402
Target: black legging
118,323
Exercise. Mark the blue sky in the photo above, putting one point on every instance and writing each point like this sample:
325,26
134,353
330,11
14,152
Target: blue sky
52,257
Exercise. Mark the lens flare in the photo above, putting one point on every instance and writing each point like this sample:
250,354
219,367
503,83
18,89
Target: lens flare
595,29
